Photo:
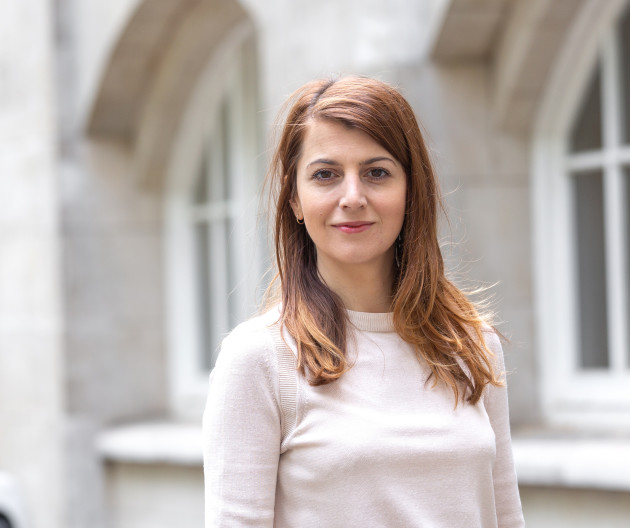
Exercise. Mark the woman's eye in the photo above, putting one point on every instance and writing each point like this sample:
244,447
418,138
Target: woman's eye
378,174
324,175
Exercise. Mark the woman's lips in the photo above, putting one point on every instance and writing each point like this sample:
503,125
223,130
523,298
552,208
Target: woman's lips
353,227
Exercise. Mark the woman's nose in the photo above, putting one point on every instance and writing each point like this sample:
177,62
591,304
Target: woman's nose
353,193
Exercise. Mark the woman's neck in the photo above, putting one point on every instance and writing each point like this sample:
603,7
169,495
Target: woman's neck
362,288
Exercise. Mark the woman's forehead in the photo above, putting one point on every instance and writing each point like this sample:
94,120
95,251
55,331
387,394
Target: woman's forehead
330,139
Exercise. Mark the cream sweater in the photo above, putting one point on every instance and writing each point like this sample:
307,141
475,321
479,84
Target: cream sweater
377,448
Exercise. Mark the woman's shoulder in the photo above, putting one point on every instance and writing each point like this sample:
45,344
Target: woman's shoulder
492,340
250,342
258,325
491,337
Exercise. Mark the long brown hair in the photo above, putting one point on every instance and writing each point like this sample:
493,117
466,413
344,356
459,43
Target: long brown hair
429,311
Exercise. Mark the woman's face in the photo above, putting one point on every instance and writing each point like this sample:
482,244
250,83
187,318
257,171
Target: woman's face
351,194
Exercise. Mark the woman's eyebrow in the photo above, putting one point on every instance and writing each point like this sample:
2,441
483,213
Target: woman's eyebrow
378,158
324,161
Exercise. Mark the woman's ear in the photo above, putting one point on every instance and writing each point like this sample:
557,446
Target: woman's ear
297,207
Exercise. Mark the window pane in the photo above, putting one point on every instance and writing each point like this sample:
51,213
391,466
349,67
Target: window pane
218,272
624,41
206,337
587,129
227,192
591,263
626,182
200,194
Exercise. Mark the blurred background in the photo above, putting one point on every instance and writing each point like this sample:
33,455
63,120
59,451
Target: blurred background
134,136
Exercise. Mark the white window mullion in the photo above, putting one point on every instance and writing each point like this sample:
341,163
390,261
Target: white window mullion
563,250
615,268
614,206
585,161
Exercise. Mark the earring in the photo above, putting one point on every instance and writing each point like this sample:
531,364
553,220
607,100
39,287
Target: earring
298,220
398,250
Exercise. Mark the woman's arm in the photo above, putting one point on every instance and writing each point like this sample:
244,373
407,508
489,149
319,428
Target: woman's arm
242,433
508,502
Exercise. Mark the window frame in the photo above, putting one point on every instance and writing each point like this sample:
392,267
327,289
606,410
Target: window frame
570,396
233,64
220,153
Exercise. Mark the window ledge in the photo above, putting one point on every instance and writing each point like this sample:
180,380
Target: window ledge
152,443
572,461
541,459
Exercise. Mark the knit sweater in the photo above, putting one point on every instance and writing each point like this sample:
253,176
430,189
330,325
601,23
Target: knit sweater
379,447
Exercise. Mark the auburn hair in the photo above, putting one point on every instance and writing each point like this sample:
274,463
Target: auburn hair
429,311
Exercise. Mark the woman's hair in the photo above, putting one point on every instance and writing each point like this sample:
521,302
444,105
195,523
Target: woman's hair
429,312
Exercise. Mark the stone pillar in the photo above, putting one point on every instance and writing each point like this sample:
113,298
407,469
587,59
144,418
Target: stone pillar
31,377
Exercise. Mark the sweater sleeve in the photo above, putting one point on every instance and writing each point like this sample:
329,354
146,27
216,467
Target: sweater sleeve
507,500
242,433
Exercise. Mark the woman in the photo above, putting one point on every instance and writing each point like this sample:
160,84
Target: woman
370,396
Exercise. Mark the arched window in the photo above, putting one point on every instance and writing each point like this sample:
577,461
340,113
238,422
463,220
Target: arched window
582,211
218,200
213,258
598,166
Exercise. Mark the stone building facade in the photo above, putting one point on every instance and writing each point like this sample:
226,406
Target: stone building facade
134,137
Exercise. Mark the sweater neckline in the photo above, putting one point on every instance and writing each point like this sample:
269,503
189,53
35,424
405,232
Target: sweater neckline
372,322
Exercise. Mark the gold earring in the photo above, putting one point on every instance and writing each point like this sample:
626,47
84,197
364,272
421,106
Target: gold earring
298,220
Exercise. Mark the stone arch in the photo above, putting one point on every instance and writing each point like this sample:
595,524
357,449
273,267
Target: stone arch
519,40
575,62
151,73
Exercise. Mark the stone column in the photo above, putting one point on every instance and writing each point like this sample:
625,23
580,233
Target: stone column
31,377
